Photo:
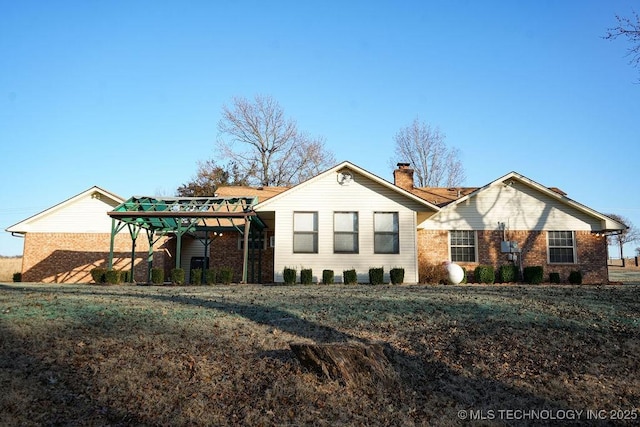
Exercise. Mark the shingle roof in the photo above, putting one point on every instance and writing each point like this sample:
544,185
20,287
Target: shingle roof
262,193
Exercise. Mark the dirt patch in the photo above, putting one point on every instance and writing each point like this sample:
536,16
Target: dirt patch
124,355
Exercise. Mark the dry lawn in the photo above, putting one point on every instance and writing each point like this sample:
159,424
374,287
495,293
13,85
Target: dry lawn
9,266
135,355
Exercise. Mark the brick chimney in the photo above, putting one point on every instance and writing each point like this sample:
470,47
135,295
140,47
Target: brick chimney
403,176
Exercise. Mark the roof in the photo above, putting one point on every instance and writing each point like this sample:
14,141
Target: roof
95,191
262,193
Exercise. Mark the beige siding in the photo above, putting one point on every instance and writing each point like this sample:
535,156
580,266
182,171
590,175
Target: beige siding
83,215
190,248
519,206
327,196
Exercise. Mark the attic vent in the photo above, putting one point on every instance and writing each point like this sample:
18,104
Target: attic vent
96,195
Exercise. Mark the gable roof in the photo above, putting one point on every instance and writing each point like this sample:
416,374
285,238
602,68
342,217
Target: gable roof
608,224
262,193
95,191
355,169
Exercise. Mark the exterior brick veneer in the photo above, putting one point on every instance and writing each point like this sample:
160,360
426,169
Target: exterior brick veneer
591,252
225,252
70,257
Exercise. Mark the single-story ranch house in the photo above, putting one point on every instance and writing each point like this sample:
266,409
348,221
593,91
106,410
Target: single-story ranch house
344,218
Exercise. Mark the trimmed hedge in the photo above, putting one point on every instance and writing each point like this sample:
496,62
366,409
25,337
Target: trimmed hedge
209,276
196,276
484,274
376,276
327,277
289,276
177,276
157,276
112,277
306,276
98,275
554,277
508,273
533,274
17,277
350,277
225,275
575,277
396,275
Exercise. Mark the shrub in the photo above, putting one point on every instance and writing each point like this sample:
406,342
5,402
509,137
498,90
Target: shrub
157,276
533,274
17,277
376,276
306,276
98,275
350,277
554,277
209,276
396,275
225,275
125,276
432,273
508,273
575,277
289,276
327,277
485,274
464,276
177,276
196,276
112,277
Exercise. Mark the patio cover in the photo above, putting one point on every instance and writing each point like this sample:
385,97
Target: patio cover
198,216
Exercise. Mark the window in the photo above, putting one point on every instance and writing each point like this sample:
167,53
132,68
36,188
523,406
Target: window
561,247
386,238
305,232
345,232
463,245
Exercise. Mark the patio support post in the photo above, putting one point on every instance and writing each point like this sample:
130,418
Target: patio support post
112,243
247,225
134,235
150,254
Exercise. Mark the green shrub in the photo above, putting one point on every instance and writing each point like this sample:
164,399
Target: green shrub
554,277
306,276
98,275
396,275
327,277
376,276
533,274
508,273
196,276
157,276
289,276
225,275
125,276
485,274
350,277
112,277
209,276
177,276
17,277
464,275
575,277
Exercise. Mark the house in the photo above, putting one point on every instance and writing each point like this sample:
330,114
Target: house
343,218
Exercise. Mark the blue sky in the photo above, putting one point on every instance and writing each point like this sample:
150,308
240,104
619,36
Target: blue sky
127,95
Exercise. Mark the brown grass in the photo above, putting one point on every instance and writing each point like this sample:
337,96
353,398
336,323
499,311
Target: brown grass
134,355
9,266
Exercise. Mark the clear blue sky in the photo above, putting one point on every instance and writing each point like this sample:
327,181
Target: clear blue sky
127,95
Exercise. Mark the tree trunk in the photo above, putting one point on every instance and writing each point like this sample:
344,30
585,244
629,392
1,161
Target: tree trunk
354,364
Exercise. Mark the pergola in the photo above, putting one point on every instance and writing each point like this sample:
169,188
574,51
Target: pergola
197,216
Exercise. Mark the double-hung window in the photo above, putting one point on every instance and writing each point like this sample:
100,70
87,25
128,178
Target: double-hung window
462,245
562,249
386,236
305,232
345,232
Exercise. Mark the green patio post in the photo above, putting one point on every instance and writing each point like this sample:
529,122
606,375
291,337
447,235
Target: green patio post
112,243
247,225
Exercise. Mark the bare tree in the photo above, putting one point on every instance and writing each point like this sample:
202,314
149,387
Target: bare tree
209,177
266,146
434,164
631,234
629,28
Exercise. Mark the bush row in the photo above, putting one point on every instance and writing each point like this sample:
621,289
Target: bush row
349,277
209,276
487,274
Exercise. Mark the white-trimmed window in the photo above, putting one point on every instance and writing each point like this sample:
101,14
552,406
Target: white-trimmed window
562,247
305,232
462,244
386,235
345,232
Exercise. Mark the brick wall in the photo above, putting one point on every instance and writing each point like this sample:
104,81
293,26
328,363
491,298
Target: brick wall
70,257
433,248
225,252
